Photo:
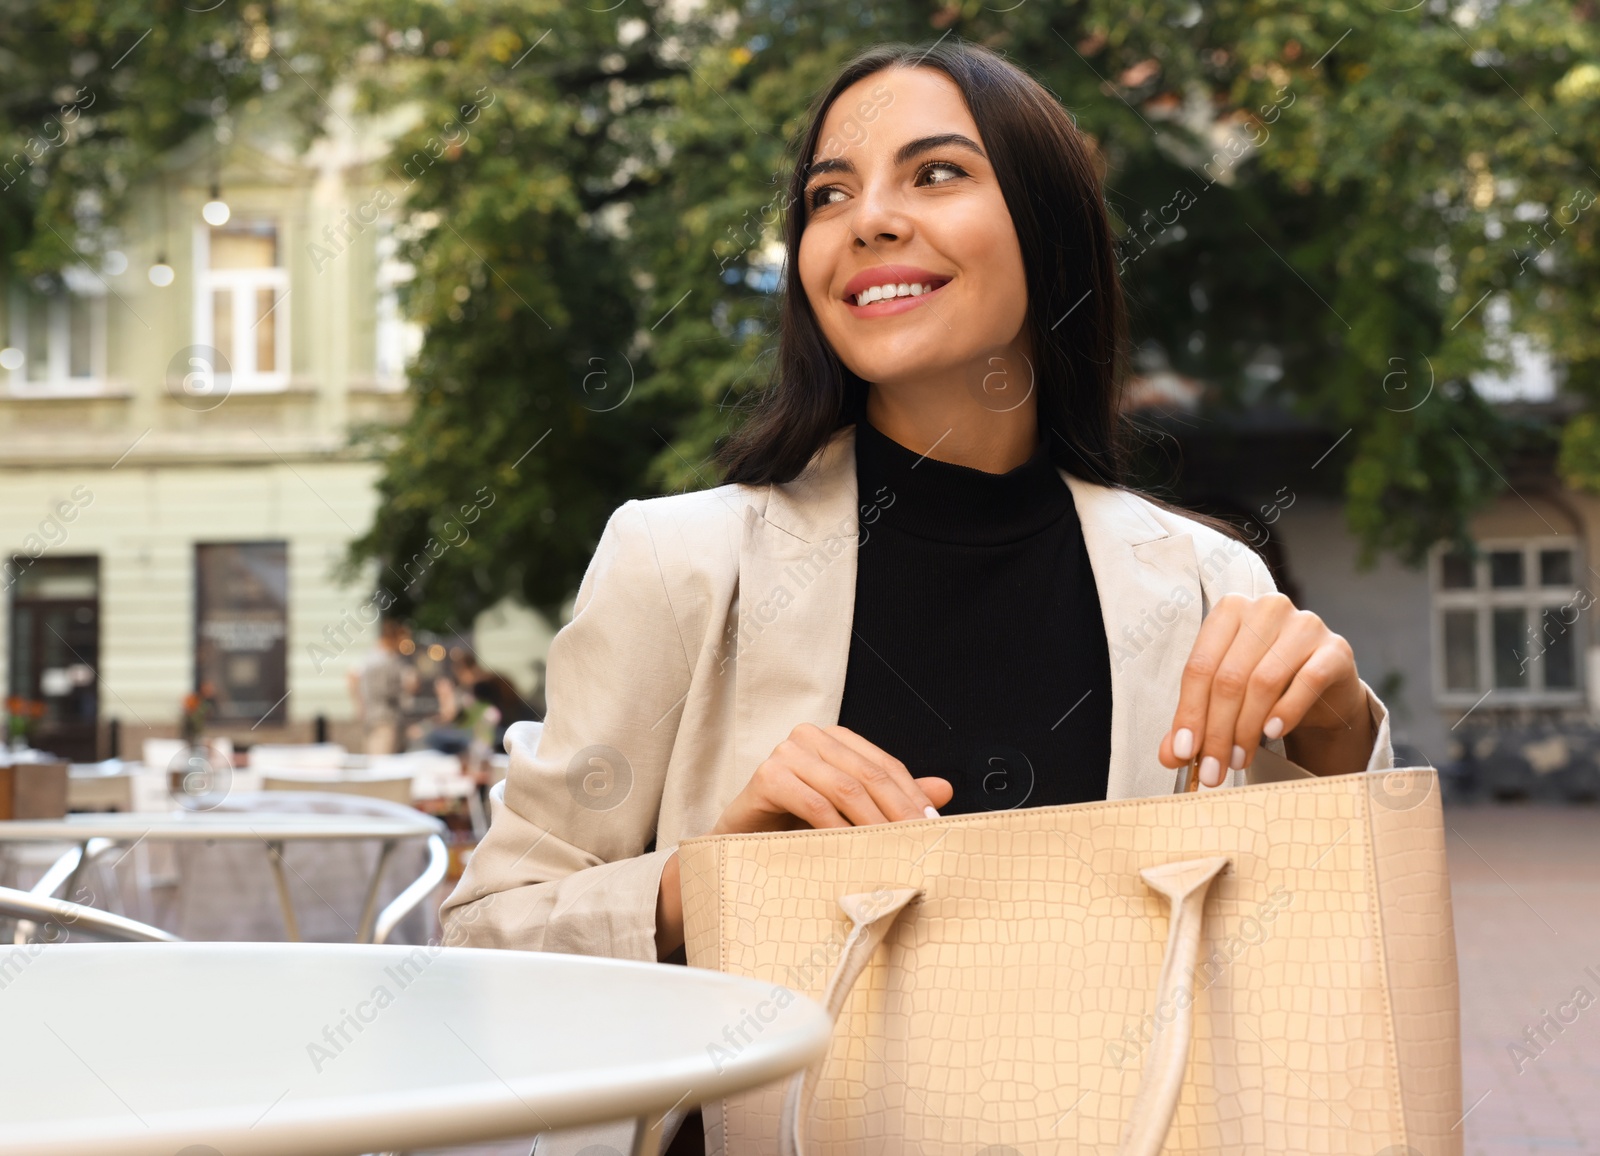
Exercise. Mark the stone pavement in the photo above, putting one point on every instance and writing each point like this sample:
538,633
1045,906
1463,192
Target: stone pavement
1526,887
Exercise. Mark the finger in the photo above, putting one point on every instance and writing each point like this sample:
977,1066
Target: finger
1194,692
941,791
792,795
885,776
864,746
1329,663
871,751
1258,626
1298,640
848,794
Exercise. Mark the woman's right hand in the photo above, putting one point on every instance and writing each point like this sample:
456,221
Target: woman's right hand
829,777
817,777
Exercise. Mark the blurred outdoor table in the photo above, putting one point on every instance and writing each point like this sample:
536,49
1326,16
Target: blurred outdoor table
336,1050
268,826
427,775
104,786
272,829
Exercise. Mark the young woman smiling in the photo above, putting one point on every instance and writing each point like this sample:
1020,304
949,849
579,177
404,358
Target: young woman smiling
924,586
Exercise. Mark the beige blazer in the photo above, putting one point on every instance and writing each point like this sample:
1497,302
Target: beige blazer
708,626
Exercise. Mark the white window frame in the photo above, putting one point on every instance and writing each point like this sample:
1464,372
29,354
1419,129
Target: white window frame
1530,597
396,340
242,376
58,358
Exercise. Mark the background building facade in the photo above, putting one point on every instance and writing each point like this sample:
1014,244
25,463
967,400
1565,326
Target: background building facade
177,478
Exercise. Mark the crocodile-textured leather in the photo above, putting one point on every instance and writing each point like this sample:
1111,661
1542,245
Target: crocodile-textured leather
1014,1003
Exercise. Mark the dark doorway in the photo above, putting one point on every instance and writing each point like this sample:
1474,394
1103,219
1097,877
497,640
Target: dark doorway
55,654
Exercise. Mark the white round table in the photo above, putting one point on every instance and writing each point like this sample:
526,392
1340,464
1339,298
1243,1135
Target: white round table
244,1049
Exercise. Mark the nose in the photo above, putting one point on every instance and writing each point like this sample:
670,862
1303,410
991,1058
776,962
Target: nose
880,237
880,218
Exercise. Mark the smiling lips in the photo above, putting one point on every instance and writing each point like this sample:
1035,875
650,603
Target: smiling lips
886,289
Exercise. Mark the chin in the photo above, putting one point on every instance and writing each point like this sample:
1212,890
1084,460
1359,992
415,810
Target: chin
896,360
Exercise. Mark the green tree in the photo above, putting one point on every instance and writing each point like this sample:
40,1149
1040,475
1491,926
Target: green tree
1341,210
532,417
1315,204
92,96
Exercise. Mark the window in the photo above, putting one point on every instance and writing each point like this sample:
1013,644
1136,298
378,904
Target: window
1531,371
241,305
241,629
1509,620
398,340
60,331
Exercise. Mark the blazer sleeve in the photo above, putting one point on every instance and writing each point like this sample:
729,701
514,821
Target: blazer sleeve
564,866
1382,757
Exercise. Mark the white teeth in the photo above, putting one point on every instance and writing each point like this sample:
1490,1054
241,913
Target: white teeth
887,292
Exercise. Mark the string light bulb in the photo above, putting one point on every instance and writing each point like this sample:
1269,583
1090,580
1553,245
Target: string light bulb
216,211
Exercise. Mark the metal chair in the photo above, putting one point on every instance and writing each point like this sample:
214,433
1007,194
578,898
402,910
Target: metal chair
404,903
396,788
224,893
227,891
31,909
40,906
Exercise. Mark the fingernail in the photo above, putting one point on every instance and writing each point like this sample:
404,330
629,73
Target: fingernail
930,812
1210,771
1183,743
1237,761
1274,727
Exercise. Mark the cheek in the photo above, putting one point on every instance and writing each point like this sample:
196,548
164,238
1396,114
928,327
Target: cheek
982,241
815,265
808,263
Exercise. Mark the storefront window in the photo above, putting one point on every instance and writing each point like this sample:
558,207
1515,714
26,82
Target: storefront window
241,630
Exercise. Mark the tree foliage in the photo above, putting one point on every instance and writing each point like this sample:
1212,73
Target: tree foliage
1342,210
94,95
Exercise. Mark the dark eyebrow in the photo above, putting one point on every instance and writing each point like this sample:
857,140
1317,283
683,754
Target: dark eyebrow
904,153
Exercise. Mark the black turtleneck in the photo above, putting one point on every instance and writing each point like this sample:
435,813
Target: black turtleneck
978,651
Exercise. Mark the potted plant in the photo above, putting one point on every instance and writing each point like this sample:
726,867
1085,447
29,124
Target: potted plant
199,777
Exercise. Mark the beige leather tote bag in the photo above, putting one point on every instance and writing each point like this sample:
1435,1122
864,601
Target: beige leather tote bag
1264,969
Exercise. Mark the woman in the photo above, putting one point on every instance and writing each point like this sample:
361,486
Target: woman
923,587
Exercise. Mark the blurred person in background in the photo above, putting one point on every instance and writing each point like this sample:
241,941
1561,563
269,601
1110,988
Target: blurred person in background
451,733
475,703
377,684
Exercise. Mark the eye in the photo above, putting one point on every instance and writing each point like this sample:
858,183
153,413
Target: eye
939,173
820,197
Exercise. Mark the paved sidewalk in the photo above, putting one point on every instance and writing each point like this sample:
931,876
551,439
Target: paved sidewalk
1526,887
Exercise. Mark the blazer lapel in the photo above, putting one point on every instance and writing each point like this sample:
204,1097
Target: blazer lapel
797,593
1148,581
796,607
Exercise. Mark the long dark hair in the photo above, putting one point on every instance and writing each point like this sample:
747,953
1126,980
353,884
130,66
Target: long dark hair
1047,172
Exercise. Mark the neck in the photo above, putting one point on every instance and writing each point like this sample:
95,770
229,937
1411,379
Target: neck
952,425
982,413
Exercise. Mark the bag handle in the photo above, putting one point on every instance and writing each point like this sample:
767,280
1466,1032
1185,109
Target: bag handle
1184,885
871,915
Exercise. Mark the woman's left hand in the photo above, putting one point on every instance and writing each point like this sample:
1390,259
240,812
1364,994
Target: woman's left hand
1262,668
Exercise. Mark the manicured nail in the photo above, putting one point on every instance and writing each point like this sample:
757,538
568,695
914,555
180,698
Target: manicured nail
1183,744
1210,771
1237,762
1274,727
930,812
